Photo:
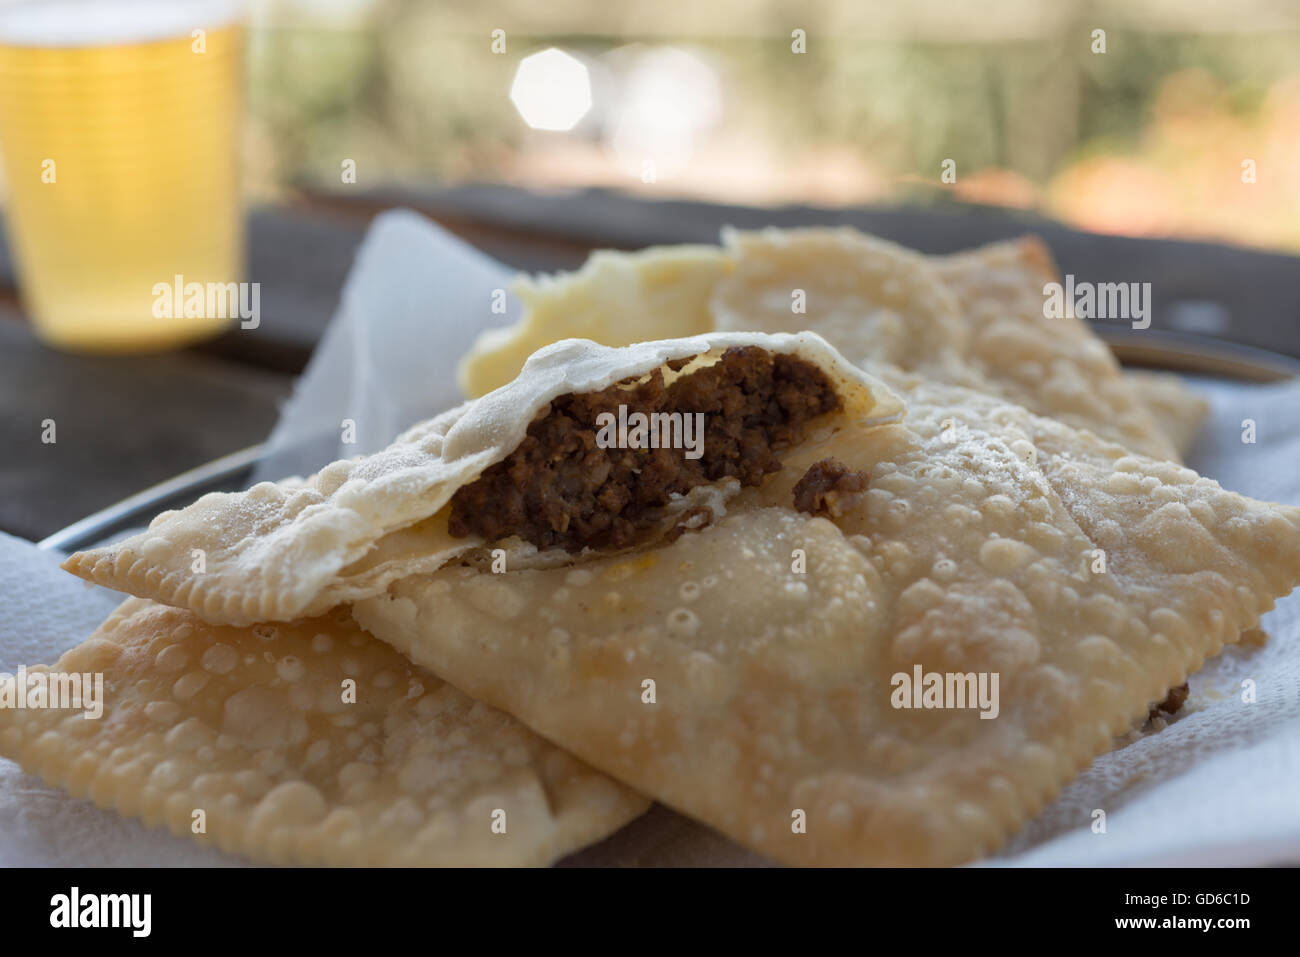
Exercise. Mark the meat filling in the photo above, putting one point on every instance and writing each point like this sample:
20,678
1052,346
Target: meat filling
1172,703
561,489
829,488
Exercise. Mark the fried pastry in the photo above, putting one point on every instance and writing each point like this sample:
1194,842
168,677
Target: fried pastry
1178,410
973,319
277,552
893,650
307,743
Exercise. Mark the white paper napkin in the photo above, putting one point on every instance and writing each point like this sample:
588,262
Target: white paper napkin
44,611
1219,785
414,302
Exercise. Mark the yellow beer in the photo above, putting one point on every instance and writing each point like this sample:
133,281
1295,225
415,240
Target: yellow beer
119,128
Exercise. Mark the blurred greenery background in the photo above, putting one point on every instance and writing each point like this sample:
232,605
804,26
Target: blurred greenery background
1146,138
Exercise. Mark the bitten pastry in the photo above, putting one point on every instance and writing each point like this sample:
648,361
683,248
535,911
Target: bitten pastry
277,552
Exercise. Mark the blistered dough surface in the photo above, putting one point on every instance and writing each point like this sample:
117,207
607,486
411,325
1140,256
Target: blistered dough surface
251,727
974,319
1090,580
1178,410
1053,365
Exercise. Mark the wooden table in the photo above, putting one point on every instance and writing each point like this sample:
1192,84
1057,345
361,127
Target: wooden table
123,424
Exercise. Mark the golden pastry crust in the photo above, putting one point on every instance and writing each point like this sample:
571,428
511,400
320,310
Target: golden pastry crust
613,292
1179,412
973,319
990,541
250,726
869,298
279,552
1055,366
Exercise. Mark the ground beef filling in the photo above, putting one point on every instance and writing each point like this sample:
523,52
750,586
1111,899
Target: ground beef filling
560,489
829,488
1173,701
